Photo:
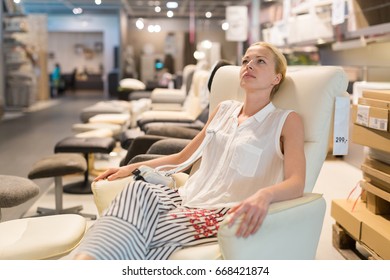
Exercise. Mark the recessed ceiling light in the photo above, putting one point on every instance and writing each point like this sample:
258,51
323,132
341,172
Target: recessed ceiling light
169,14
172,5
208,14
157,9
77,11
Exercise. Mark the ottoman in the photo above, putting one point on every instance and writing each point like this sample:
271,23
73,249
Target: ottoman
57,166
85,146
16,190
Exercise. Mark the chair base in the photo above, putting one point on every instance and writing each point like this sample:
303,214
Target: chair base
42,211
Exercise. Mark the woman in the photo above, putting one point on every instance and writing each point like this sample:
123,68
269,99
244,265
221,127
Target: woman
255,158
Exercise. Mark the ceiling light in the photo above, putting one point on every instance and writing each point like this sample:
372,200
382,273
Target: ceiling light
225,26
208,14
169,14
198,55
140,24
154,28
16,1
172,5
206,44
157,9
98,2
77,11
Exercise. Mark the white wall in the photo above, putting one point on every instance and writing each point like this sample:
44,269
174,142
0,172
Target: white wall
107,24
61,49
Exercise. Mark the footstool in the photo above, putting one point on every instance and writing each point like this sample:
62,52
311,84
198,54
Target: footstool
115,129
85,146
48,237
16,190
105,107
57,166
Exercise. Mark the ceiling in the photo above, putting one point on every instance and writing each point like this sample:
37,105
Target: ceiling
134,8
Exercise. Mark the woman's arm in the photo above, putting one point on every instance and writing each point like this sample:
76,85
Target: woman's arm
174,159
255,208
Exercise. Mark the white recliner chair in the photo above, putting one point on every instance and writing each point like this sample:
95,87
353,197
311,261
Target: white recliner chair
189,111
292,228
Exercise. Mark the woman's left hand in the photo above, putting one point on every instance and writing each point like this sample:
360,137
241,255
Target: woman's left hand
253,211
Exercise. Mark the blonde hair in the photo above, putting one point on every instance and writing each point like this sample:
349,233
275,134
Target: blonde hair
280,63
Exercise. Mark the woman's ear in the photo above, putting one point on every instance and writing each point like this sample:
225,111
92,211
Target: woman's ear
277,79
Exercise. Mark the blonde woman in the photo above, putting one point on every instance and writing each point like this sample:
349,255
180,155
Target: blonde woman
256,157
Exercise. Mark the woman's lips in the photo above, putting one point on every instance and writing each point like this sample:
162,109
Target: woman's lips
247,75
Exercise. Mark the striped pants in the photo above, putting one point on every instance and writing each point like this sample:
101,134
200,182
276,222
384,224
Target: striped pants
147,222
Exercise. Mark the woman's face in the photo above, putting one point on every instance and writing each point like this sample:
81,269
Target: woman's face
258,69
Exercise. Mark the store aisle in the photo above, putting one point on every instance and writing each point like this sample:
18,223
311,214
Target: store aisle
28,136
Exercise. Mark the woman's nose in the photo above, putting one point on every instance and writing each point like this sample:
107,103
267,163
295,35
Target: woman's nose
249,64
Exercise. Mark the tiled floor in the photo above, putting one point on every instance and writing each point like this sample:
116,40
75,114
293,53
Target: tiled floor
24,139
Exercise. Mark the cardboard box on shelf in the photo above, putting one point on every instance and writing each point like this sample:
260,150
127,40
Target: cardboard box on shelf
383,94
376,173
372,117
374,102
369,137
377,200
364,226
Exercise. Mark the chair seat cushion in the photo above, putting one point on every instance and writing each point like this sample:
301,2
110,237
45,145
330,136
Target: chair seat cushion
16,190
121,119
102,132
166,95
105,107
103,145
84,127
206,252
58,165
41,237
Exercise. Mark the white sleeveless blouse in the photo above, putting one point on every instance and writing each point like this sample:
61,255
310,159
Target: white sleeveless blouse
239,159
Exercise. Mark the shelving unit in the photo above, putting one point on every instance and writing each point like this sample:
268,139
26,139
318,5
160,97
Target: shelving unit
18,63
23,62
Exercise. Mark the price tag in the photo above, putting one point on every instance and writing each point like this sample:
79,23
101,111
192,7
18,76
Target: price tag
341,126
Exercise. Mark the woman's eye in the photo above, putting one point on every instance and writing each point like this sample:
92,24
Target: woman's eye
260,61
243,62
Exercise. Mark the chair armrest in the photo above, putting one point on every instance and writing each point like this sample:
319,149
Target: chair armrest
104,191
291,230
140,145
197,124
168,146
172,131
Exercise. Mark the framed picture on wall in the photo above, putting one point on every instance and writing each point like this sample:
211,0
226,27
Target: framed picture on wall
98,47
78,48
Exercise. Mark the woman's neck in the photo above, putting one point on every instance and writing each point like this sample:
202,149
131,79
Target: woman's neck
254,104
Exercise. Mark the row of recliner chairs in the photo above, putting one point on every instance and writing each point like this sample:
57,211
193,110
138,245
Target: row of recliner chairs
51,235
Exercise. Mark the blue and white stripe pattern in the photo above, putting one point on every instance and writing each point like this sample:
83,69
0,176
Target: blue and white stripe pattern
147,222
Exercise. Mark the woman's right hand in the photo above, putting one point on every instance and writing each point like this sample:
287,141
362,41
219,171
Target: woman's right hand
114,173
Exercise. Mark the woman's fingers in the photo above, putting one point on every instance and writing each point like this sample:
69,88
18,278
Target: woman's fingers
252,218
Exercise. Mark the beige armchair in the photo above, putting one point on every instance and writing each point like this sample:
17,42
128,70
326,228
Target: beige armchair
292,228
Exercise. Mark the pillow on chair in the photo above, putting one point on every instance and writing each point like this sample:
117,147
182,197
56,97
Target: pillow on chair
133,84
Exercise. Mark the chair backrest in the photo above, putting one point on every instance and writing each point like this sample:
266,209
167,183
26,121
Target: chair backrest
192,103
310,91
188,72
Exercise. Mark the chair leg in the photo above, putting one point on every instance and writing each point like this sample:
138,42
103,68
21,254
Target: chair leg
58,190
83,187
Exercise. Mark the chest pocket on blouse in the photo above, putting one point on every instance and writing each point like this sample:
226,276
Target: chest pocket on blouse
246,159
